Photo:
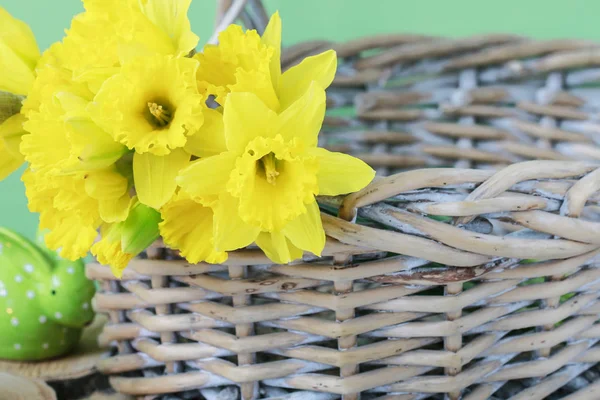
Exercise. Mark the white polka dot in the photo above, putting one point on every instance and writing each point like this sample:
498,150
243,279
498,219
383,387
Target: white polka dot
17,346
85,306
14,321
70,270
30,294
45,345
1,284
18,278
42,319
57,315
3,292
28,268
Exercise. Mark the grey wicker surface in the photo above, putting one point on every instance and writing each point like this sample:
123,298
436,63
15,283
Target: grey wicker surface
464,312
482,102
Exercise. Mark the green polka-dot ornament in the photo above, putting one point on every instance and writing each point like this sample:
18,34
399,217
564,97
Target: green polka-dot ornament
44,300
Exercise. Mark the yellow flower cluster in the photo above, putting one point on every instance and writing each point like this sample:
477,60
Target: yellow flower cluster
120,138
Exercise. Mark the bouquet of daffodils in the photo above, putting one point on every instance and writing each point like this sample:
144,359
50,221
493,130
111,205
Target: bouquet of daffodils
131,133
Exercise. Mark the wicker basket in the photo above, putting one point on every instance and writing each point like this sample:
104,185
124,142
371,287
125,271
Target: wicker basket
477,279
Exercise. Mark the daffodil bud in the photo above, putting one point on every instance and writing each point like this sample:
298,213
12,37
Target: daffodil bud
140,229
124,240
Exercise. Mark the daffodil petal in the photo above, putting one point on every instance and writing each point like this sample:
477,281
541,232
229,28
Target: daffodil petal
110,188
237,51
18,55
112,210
44,134
11,158
105,184
304,118
19,37
59,196
272,37
16,75
154,176
340,173
306,232
171,17
278,248
11,131
210,138
296,80
245,118
65,209
69,234
73,105
95,77
257,82
99,26
207,176
188,227
215,73
8,162
108,252
229,230
94,148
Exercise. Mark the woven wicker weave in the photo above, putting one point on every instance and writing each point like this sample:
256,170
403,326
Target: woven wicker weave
428,286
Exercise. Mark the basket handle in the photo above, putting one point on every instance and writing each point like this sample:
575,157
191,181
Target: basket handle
252,13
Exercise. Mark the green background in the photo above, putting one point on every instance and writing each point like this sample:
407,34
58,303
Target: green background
335,20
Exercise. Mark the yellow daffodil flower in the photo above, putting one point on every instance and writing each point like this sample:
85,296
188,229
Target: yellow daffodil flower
153,107
45,118
80,177
124,29
237,51
65,210
154,26
269,176
81,150
73,180
188,226
116,115
124,240
246,62
72,206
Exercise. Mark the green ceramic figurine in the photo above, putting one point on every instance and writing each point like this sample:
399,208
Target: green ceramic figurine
44,300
